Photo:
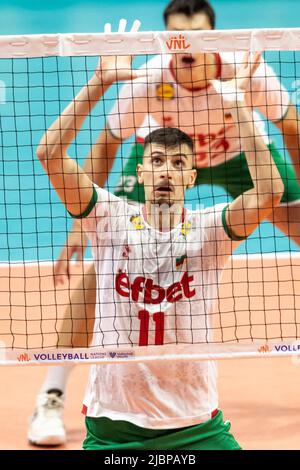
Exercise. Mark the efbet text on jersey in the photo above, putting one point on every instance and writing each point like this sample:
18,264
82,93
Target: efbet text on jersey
153,293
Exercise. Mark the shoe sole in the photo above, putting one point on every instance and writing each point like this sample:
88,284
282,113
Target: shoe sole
47,441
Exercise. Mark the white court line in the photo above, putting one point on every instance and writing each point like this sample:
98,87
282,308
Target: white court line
281,255
253,256
37,263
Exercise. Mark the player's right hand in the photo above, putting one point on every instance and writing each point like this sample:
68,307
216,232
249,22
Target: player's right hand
118,68
233,91
75,246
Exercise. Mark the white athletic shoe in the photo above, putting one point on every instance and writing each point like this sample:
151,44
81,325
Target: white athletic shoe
46,427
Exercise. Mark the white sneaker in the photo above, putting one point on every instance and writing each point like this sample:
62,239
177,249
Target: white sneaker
46,427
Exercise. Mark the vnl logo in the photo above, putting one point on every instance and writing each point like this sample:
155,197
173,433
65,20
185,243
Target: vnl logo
23,357
2,92
177,43
264,349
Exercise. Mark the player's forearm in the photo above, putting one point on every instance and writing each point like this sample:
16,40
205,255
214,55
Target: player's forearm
62,132
71,183
263,170
100,160
250,135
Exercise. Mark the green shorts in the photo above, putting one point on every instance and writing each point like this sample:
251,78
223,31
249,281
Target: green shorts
105,434
233,176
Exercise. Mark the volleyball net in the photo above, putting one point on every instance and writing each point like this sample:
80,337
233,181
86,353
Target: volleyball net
255,312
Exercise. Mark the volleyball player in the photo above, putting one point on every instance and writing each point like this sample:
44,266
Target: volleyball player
158,405
178,85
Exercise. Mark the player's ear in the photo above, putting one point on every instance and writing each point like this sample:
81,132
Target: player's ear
139,172
192,178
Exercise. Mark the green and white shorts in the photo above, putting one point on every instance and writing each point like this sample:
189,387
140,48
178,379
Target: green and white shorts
105,434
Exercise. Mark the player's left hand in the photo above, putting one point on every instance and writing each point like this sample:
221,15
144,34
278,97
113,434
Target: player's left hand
233,91
117,68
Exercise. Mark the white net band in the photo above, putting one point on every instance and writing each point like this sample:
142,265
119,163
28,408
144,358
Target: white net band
149,43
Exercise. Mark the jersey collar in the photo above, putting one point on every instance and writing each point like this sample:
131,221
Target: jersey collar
183,216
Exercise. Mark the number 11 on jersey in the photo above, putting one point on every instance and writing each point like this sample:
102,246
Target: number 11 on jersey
159,320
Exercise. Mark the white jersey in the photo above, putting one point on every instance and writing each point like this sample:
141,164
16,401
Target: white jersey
158,101
154,288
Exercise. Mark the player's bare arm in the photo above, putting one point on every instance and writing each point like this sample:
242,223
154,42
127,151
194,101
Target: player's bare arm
74,185
290,128
97,166
247,211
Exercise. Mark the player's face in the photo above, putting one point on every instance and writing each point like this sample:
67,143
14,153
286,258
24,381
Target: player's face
181,22
166,173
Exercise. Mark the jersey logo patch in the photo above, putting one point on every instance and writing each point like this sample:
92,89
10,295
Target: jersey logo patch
186,227
137,222
165,91
144,290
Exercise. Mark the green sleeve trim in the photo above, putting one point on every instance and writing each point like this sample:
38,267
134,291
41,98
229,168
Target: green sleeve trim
226,228
89,208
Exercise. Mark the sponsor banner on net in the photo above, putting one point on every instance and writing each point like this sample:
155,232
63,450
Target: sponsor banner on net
292,348
56,356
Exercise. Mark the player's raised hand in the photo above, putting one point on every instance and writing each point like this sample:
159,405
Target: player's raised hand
114,68
247,70
233,91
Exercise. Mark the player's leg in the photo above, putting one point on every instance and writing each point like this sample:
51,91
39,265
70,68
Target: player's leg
106,434
78,323
46,424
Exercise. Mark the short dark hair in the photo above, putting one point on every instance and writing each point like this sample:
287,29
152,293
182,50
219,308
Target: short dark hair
169,137
189,8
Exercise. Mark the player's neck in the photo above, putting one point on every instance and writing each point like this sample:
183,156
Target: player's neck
163,217
198,75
